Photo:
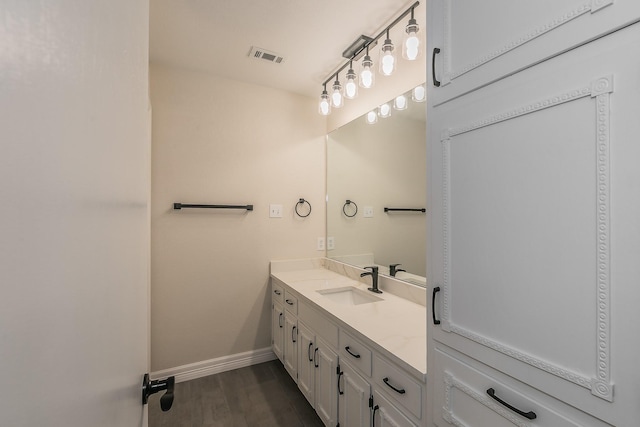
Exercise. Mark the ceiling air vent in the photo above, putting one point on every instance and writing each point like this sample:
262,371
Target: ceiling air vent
259,53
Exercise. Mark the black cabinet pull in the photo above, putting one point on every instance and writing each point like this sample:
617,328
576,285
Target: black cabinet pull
433,305
436,50
280,320
340,374
373,415
288,301
315,362
529,415
309,352
293,339
397,390
277,292
357,356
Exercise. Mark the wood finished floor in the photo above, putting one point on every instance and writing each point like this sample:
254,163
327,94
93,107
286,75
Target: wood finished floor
260,395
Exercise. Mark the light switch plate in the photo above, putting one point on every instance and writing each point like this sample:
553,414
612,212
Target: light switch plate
331,243
275,211
367,212
320,245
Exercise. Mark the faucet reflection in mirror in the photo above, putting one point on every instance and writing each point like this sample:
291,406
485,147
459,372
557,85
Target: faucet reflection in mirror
379,166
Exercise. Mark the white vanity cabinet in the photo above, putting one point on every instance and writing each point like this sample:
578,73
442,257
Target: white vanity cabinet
290,356
354,398
533,231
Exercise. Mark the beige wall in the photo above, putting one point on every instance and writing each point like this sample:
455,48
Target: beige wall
219,141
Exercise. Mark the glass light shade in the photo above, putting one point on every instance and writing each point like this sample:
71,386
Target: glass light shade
411,44
384,111
367,76
336,95
371,117
324,106
400,102
351,85
387,58
419,94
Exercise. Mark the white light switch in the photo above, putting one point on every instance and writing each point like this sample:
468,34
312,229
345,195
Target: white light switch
367,212
275,211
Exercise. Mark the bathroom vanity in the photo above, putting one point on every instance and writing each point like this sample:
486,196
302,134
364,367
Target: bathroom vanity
355,354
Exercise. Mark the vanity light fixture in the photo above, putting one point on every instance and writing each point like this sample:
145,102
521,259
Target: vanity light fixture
336,94
387,57
411,45
388,62
351,83
384,110
371,117
324,106
367,76
400,103
419,94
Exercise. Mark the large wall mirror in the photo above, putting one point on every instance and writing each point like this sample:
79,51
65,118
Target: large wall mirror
371,167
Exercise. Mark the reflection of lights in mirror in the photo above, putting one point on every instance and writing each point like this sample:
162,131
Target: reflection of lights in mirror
419,94
400,103
384,111
371,117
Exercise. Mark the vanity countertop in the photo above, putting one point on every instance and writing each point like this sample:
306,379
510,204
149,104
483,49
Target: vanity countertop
396,325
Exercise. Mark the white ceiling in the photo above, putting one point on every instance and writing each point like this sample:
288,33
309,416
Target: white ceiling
216,35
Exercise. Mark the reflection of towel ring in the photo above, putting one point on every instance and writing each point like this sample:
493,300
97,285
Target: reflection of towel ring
302,202
344,208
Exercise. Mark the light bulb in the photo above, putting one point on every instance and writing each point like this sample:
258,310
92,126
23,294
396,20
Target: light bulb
400,102
336,95
371,117
411,46
324,106
367,77
351,85
387,58
384,111
418,94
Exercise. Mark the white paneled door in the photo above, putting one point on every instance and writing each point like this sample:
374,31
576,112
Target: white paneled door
74,221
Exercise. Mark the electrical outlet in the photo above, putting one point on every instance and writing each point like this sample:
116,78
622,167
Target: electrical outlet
275,211
320,246
331,243
367,212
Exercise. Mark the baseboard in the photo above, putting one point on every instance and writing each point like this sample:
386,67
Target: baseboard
217,365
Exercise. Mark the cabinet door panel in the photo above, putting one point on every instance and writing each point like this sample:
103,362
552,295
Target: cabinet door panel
531,185
291,346
481,42
353,403
326,384
306,367
388,415
277,330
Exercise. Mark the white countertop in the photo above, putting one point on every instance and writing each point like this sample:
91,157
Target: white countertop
396,325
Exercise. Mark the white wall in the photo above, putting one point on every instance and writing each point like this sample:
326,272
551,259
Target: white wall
220,141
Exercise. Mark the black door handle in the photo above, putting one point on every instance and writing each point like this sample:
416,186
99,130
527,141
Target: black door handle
436,50
397,390
315,352
529,415
433,305
150,387
292,331
356,355
280,320
309,352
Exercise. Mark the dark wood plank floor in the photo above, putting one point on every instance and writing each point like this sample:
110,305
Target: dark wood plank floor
259,395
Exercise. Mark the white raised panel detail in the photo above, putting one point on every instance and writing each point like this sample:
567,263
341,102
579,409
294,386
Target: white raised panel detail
600,90
452,382
591,6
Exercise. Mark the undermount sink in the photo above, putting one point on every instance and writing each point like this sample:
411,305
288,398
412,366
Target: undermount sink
349,296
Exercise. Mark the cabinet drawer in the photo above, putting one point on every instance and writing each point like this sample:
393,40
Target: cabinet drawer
355,352
399,385
277,292
462,393
319,324
290,302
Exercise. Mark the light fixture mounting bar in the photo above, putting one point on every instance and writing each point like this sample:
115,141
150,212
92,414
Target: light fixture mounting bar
375,39
356,47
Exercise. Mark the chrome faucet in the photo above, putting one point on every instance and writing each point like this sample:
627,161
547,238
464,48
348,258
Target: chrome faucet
374,279
393,269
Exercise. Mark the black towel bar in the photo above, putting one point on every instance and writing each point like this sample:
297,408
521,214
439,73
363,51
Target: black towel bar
405,209
185,205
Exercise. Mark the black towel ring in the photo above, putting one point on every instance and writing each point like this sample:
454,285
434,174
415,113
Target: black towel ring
344,208
302,202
